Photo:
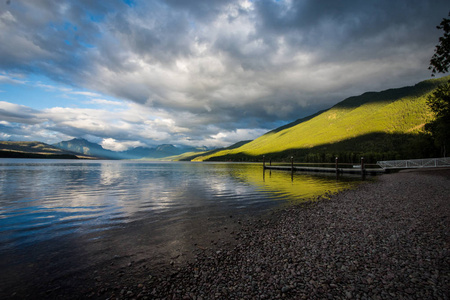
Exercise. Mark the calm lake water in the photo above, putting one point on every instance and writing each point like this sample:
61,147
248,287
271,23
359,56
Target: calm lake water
63,217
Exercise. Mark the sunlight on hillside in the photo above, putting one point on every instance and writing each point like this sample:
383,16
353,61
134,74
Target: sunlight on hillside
396,111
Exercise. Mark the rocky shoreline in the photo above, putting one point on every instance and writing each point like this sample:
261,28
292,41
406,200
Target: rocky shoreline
387,239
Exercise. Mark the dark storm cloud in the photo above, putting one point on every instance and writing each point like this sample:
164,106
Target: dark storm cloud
51,37
223,65
202,11
349,19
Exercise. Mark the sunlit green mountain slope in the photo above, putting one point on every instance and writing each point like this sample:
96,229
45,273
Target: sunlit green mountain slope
354,122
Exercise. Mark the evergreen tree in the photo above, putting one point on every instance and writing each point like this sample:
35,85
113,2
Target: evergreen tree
439,100
440,61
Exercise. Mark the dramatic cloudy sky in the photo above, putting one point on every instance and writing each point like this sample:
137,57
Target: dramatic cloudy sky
212,72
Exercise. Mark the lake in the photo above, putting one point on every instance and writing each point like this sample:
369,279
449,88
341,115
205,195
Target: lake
65,218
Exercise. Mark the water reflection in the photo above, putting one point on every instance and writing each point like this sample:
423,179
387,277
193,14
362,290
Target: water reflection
297,187
38,198
67,215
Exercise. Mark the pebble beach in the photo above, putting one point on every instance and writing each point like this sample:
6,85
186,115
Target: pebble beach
387,239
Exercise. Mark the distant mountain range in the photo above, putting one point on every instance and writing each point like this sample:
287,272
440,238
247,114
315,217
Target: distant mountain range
10,149
81,148
85,147
377,125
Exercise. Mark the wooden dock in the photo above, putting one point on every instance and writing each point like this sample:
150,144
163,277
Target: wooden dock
327,170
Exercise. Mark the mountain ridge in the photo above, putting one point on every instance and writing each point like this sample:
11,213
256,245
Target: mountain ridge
161,151
35,149
393,116
388,124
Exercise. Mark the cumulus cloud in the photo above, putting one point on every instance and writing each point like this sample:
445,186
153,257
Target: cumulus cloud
212,71
226,138
112,144
133,126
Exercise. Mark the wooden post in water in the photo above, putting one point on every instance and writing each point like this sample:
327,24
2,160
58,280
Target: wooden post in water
337,164
292,168
270,162
264,161
362,166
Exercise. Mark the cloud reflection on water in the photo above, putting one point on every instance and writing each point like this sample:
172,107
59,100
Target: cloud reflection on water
96,194
57,217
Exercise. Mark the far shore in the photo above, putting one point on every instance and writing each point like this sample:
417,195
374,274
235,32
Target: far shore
387,239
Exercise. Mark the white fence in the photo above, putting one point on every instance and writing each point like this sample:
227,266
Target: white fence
415,163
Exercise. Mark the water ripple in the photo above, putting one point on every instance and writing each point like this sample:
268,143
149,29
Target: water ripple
48,200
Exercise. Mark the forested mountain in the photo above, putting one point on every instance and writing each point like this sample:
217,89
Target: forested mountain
9,149
379,125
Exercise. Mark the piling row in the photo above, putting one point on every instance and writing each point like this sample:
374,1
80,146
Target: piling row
360,170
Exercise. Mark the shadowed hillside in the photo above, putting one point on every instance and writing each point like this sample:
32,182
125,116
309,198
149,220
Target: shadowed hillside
373,147
35,150
388,124
192,155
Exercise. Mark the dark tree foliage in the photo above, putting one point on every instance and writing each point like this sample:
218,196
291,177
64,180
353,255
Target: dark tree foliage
440,61
439,103
439,100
